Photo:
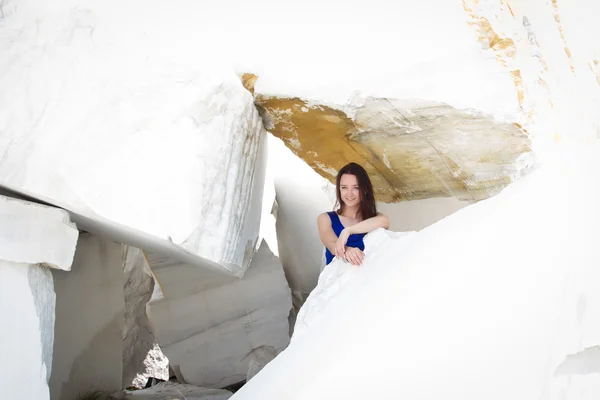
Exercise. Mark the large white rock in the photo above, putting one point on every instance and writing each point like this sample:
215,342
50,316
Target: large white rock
497,301
90,310
35,234
209,327
93,117
30,234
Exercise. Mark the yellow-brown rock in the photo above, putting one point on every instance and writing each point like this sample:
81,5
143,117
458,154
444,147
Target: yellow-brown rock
248,81
412,149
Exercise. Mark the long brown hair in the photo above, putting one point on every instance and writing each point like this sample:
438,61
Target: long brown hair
367,208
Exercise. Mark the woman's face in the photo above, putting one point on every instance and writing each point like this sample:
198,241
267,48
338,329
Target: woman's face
349,190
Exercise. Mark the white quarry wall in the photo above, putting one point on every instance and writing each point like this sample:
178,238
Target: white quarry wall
93,117
497,301
100,108
89,320
30,233
209,334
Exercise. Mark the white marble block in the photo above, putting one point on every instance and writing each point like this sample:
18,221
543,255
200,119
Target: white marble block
209,333
165,143
36,234
90,312
31,237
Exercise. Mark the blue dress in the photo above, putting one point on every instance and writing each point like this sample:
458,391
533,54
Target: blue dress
355,240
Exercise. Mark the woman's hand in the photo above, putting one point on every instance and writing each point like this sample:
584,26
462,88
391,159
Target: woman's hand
340,245
355,256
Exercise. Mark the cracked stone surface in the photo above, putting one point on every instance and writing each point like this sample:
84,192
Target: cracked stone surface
412,149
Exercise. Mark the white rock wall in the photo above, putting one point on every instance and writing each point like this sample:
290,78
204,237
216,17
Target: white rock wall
31,237
89,324
209,334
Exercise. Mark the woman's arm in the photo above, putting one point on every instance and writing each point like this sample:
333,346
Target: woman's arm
329,240
366,226
326,233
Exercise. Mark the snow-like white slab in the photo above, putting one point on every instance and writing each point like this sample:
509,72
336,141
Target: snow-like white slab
337,274
494,302
36,234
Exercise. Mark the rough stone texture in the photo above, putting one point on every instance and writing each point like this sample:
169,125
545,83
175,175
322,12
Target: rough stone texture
412,149
155,365
258,358
27,301
142,357
36,234
208,332
249,80
90,311
171,390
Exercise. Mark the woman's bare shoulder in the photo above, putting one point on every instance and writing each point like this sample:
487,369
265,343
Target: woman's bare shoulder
323,218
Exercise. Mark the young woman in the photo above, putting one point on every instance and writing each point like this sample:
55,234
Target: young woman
342,231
